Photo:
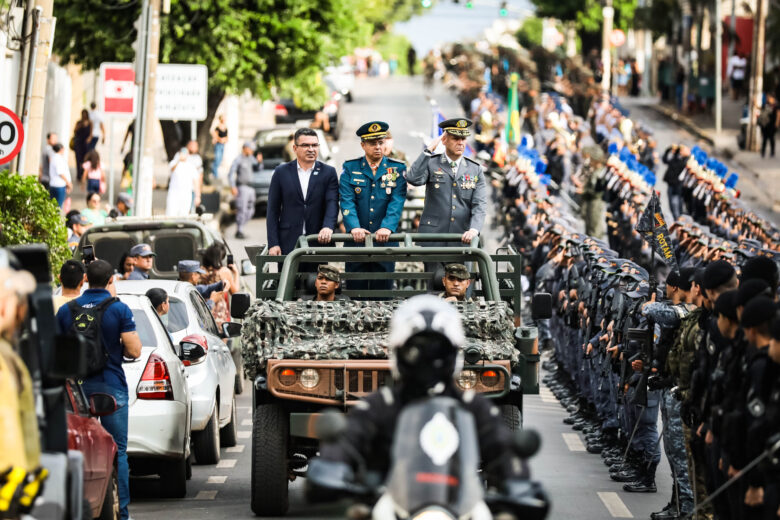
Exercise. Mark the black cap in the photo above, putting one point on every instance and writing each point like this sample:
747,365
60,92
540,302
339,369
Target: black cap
458,126
726,305
749,289
758,311
698,277
763,268
373,130
717,273
685,278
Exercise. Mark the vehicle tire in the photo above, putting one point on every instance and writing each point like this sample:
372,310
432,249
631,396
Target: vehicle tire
173,478
512,417
206,442
227,434
270,441
110,509
189,467
86,509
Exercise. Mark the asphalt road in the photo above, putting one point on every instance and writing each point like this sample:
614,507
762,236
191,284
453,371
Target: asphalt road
577,482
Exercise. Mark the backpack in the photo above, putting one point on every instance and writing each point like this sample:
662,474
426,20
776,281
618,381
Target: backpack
86,323
763,118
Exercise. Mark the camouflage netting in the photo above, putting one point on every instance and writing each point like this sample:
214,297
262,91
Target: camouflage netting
355,330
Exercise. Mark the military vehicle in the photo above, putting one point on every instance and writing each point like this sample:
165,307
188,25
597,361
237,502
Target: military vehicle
304,356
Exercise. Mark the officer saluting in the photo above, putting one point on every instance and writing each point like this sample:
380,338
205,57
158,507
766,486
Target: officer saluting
372,190
455,188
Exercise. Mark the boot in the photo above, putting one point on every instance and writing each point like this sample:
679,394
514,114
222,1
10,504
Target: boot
646,481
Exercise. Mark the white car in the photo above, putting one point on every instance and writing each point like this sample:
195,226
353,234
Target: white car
160,407
211,380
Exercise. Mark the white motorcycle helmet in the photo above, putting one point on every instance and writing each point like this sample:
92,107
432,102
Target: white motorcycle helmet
425,340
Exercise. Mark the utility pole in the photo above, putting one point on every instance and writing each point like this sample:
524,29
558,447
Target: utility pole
757,74
718,66
143,159
606,47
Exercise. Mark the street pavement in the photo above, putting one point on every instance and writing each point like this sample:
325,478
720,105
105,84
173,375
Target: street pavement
577,482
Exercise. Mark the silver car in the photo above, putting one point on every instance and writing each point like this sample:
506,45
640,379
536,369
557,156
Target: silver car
160,407
211,380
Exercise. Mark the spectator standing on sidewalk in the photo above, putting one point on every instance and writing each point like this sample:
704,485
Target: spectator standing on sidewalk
78,225
769,120
184,185
98,129
82,136
118,338
46,156
736,68
93,170
59,175
240,178
95,215
219,137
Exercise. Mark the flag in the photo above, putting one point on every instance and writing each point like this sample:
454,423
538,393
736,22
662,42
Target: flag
438,117
512,130
652,226
469,152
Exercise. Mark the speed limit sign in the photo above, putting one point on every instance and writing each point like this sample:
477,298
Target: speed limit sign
11,135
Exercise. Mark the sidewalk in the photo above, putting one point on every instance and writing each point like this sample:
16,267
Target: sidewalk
764,173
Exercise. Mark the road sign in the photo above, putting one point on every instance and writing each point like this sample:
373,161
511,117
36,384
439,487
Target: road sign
11,135
182,92
617,38
118,82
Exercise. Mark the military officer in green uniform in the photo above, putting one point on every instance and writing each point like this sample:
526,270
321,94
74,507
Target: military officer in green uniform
372,190
455,187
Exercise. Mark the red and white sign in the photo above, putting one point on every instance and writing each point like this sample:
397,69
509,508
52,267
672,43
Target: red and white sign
11,135
617,38
118,82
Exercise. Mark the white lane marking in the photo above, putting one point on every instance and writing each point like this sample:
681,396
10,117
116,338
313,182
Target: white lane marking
209,494
235,449
573,441
614,505
216,479
243,435
226,463
246,422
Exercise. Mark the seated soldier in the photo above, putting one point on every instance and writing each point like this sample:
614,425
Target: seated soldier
456,281
327,282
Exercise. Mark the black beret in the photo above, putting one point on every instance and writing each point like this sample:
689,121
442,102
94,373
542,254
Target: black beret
673,279
758,311
717,273
774,328
698,276
725,305
686,277
761,267
749,289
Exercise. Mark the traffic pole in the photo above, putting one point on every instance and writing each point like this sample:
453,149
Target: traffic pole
606,55
718,67
757,75
111,145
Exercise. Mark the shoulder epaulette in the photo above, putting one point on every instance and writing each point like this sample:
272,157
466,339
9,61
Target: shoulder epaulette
397,161
472,160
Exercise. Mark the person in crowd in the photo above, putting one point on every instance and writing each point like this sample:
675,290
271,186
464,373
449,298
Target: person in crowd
735,70
191,271
143,260
81,140
219,138
769,121
124,204
93,212
159,299
98,129
119,339
456,282
184,185
240,179
125,266
59,175
372,190
214,264
455,186
71,278
78,225
303,197
46,158
94,173
392,152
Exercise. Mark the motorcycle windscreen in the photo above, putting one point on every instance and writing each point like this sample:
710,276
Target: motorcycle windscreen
435,458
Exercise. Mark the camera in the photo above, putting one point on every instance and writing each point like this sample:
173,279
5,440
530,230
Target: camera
88,254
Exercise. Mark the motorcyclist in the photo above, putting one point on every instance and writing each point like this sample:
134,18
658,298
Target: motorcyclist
425,340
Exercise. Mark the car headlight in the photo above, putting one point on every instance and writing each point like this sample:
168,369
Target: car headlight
433,514
309,378
467,379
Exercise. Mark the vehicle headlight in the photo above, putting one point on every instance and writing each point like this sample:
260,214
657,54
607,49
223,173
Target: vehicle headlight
287,377
489,378
467,379
433,514
309,378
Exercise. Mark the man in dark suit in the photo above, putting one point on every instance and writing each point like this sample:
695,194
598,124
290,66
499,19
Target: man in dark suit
303,197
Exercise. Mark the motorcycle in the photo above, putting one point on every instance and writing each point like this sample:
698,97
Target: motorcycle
434,472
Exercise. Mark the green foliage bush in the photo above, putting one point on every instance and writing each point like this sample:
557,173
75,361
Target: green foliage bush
28,215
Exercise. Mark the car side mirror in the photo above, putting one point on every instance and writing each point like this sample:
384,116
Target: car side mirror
247,267
541,306
330,425
102,404
69,358
231,329
191,353
527,442
239,304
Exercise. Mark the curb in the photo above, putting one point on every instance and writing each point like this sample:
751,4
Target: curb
686,123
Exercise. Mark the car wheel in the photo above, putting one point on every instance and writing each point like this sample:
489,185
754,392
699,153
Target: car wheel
189,467
173,478
512,417
206,442
227,434
270,440
110,509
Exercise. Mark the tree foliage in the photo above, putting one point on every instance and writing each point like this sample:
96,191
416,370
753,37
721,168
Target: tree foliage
587,13
19,225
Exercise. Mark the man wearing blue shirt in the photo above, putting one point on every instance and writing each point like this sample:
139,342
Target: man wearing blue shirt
372,190
119,338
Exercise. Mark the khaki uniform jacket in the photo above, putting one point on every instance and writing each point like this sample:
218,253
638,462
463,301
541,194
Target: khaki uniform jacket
19,444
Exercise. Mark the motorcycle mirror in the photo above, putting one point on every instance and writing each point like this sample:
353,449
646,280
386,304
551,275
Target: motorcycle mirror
527,443
331,424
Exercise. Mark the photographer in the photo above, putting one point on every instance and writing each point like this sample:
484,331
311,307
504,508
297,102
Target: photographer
117,338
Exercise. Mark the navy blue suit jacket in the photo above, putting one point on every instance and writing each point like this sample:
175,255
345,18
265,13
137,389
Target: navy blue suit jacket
287,209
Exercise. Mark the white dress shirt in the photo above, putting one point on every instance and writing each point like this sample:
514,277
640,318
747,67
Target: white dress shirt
303,178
